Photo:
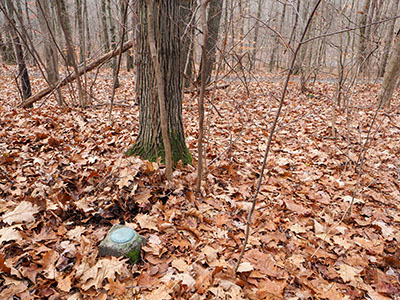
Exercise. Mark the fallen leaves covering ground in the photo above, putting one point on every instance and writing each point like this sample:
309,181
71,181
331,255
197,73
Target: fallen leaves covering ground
64,181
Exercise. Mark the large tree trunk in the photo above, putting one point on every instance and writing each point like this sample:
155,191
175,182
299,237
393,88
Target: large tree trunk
391,75
213,21
168,31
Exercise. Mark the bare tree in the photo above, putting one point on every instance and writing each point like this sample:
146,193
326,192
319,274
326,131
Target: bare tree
213,24
19,53
64,22
50,50
389,38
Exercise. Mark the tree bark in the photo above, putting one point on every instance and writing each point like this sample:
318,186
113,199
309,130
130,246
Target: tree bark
79,18
168,30
113,42
203,74
87,35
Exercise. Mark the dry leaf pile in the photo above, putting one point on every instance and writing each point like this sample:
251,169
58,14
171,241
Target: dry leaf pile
64,181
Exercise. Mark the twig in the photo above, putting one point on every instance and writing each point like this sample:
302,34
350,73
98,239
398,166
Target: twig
7,177
272,133
349,29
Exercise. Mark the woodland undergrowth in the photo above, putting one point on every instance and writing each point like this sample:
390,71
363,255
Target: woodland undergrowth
64,180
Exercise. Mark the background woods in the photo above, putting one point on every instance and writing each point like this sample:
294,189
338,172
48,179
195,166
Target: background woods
255,144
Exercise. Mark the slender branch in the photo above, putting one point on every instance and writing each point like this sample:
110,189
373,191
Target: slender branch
287,45
272,133
349,29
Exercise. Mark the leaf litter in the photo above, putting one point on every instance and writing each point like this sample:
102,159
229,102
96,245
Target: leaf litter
65,181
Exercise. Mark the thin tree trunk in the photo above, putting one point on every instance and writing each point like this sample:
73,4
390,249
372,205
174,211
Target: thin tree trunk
124,6
391,75
79,17
213,24
256,31
203,75
389,38
64,22
19,53
113,42
51,56
281,26
103,15
87,37
362,43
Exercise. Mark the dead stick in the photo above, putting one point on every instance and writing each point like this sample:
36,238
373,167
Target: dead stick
7,177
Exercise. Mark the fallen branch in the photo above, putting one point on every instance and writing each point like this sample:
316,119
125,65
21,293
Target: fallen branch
82,70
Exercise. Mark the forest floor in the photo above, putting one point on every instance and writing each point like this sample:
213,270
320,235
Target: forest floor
64,180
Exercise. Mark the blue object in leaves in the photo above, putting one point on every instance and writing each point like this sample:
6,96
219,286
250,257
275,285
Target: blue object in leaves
122,235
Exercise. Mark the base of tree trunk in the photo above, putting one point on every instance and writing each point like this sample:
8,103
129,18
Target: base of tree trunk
147,151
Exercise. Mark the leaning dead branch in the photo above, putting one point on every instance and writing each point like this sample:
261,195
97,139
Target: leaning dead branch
71,77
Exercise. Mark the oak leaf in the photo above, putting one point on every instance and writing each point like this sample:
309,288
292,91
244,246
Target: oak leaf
9,234
22,213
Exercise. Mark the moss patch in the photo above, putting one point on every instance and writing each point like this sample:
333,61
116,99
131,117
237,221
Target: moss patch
178,147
